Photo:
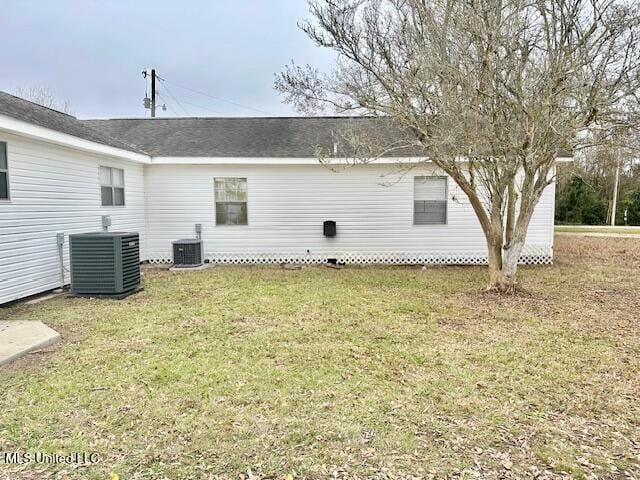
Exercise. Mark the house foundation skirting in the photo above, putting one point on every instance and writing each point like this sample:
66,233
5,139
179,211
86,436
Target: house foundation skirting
531,255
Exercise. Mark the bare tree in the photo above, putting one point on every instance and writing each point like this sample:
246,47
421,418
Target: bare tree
488,90
45,96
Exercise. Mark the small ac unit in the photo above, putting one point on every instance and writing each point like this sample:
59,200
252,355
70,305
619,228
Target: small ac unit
105,263
187,253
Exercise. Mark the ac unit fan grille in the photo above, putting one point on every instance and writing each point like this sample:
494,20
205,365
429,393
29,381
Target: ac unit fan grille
187,253
130,262
93,264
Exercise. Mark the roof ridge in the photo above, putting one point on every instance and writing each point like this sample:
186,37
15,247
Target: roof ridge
124,143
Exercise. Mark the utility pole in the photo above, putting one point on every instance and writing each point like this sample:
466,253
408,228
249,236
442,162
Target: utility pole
614,204
150,103
153,92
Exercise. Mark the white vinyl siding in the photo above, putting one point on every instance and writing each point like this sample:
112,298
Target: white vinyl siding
111,186
429,200
55,189
287,205
231,201
4,172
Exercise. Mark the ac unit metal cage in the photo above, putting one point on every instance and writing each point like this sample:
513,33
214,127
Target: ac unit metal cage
187,253
105,263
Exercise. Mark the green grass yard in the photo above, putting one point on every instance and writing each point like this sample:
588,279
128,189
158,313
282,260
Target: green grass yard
396,371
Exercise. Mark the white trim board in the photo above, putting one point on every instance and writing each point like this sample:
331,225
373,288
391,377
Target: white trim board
293,160
29,130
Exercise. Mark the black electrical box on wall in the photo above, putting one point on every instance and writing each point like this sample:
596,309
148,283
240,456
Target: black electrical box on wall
329,228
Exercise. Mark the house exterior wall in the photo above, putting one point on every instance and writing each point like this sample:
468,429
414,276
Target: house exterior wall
56,189
287,205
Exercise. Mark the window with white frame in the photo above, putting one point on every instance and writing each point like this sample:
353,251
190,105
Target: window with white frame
111,186
4,172
231,201
430,201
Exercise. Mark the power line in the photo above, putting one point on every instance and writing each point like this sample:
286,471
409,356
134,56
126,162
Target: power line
215,98
177,101
217,112
206,108
168,105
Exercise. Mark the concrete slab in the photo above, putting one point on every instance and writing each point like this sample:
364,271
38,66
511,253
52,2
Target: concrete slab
107,296
204,266
44,298
19,337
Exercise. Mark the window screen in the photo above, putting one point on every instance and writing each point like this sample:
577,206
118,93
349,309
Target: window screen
111,186
430,201
4,172
231,201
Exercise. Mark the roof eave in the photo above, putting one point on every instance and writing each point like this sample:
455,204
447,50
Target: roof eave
162,160
292,160
30,130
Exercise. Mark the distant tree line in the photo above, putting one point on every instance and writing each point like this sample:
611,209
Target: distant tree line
43,95
585,188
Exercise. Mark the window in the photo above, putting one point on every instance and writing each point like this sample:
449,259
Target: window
4,172
231,201
430,201
112,186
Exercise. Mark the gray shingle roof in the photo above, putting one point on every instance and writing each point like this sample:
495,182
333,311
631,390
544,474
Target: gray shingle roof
220,137
203,137
240,137
35,114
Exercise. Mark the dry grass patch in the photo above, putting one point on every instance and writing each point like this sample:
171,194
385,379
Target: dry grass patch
597,229
354,372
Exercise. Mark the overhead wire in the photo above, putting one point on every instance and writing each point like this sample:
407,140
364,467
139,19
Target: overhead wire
206,108
178,115
180,102
168,105
173,96
213,97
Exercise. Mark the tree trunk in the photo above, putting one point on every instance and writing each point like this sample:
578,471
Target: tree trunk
510,257
504,245
499,280
503,264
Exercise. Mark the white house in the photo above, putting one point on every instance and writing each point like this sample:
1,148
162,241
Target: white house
254,184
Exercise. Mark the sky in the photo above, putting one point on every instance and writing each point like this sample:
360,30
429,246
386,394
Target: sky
92,53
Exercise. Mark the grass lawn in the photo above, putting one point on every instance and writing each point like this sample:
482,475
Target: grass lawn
596,229
356,372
